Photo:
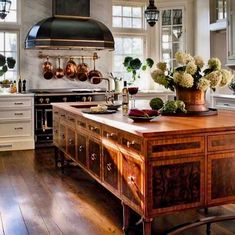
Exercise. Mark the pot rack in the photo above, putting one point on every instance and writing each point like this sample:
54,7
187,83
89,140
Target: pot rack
44,56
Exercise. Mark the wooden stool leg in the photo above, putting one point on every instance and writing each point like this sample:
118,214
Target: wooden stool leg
147,225
126,217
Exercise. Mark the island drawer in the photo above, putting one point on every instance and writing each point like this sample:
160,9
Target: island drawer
110,133
81,123
71,119
132,142
94,127
16,114
221,141
176,145
13,103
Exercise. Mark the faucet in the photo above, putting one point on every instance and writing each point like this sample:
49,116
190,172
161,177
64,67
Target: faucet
109,95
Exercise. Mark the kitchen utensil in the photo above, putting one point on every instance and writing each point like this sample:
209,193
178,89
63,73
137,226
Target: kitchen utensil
71,69
47,69
82,71
95,76
59,72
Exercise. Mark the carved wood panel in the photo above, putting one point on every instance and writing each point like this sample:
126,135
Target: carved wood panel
221,177
110,166
81,149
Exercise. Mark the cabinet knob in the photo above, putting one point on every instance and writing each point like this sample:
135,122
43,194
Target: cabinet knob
93,156
108,135
93,128
70,141
84,98
80,148
129,143
89,98
109,166
131,179
65,99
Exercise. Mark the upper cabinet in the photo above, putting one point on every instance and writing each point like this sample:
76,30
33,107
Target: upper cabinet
231,33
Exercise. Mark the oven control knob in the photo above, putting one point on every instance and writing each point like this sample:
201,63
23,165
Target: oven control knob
84,98
89,98
65,99
41,100
47,100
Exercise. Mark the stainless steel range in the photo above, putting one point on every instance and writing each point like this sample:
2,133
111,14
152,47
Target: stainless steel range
43,109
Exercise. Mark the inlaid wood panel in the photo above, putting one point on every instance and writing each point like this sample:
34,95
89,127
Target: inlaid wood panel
81,149
223,141
94,154
176,184
175,146
131,179
71,149
110,167
221,177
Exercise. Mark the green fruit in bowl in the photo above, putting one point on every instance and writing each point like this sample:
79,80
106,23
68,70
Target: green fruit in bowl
156,103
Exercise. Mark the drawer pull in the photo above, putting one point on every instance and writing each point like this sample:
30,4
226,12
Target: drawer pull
56,112
62,115
131,179
18,103
108,135
93,156
19,114
19,128
80,148
226,104
70,141
129,143
71,119
92,128
6,146
109,166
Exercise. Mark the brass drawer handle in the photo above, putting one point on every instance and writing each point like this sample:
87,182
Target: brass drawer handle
131,179
109,166
129,143
19,128
92,128
62,115
108,135
70,141
18,103
93,156
71,119
19,114
80,148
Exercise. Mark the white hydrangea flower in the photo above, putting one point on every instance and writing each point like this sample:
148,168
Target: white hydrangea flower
215,78
177,76
203,84
181,57
191,68
199,61
227,77
186,80
159,77
188,58
214,63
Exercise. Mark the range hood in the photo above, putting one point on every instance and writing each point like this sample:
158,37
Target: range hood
70,28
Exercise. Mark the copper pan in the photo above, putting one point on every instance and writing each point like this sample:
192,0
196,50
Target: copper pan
82,71
71,69
47,69
95,76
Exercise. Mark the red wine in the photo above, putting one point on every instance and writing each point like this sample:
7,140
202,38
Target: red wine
133,90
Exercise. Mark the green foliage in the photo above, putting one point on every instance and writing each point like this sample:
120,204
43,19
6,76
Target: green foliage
156,103
174,106
6,63
132,65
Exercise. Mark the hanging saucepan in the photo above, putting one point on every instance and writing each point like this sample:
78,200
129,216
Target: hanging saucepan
59,72
95,76
71,69
47,69
82,71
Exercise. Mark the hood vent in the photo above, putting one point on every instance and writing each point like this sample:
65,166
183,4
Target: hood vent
70,28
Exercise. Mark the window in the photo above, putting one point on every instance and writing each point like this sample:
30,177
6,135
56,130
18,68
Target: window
9,40
130,37
221,9
172,34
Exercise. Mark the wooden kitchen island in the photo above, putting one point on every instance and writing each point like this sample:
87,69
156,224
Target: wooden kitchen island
164,166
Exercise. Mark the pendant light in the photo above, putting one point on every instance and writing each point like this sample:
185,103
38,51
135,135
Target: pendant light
151,13
5,6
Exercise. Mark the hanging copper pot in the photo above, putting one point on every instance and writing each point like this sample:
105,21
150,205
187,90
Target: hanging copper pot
47,69
59,72
71,69
82,71
95,76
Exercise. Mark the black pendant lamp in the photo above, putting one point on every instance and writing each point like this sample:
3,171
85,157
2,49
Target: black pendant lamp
151,13
5,6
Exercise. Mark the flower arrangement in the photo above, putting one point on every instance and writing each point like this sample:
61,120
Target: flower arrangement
189,73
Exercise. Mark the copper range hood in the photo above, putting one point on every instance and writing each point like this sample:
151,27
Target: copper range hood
70,28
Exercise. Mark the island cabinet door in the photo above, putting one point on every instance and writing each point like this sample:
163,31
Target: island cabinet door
132,180
175,185
94,152
110,167
81,149
71,150
56,133
62,138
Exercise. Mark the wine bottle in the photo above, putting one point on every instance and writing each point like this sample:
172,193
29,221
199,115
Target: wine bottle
19,85
24,86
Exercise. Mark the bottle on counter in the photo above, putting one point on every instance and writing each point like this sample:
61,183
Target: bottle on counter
19,85
24,86
125,99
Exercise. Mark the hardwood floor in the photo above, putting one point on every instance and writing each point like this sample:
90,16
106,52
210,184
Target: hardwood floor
36,198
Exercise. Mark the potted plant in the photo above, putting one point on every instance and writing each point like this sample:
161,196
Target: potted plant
189,80
6,63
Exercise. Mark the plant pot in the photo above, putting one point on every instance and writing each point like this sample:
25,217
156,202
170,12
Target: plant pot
193,98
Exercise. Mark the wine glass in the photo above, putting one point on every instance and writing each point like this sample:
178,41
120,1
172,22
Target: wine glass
133,91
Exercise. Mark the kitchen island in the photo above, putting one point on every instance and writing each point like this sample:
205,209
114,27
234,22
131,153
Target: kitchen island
167,165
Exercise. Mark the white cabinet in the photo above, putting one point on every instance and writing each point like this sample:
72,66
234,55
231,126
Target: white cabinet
223,101
16,122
